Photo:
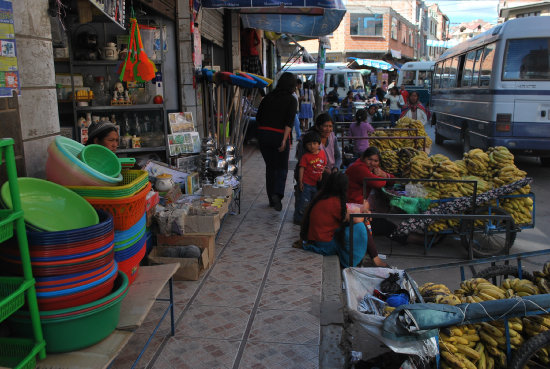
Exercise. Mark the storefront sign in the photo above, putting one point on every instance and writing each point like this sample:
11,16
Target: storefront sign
9,74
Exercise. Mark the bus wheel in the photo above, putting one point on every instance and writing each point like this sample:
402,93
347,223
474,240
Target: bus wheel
438,138
544,160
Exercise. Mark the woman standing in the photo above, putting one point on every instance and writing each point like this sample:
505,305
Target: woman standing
275,118
396,103
361,128
307,103
415,110
326,225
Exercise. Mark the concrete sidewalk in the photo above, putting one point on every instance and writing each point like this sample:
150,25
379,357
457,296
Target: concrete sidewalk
263,304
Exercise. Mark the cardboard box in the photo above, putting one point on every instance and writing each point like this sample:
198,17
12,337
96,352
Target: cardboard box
203,241
189,269
209,190
202,224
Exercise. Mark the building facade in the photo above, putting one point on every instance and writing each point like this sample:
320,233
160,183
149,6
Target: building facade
519,9
438,32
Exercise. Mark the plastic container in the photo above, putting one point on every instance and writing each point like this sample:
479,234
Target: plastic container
51,207
18,353
6,225
101,159
130,266
72,278
78,331
128,253
126,212
133,181
12,295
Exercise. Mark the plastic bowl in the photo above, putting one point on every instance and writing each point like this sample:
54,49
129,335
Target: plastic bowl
64,165
68,279
62,170
131,266
101,159
70,289
50,206
95,321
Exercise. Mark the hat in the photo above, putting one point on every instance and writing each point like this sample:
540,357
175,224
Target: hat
334,105
96,128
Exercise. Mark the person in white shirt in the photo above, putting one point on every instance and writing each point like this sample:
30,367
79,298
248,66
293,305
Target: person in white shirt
396,103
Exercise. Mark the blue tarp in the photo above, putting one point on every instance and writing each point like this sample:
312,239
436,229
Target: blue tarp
378,64
297,17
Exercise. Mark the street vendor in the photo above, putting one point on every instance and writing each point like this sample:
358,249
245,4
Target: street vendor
103,133
326,225
415,110
367,166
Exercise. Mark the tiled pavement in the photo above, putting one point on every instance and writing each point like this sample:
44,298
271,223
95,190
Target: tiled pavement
257,307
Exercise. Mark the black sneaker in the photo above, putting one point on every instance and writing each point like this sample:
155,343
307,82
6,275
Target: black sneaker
276,200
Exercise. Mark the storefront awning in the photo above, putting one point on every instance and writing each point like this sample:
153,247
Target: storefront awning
378,64
296,17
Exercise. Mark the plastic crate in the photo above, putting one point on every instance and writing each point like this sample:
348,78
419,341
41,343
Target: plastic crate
126,212
133,181
18,353
12,296
6,225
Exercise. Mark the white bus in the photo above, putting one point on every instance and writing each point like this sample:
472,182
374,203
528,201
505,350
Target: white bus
335,74
417,76
494,89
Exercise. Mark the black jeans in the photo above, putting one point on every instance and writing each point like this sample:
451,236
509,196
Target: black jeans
276,163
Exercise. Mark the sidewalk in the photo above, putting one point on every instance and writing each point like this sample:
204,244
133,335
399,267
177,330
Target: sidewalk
261,305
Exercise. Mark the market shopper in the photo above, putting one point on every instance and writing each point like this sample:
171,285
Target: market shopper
361,128
103,133
275,119
307,104
396,103
326,227
415,110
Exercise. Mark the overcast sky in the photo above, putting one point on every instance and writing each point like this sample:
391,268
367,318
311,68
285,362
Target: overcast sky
468,10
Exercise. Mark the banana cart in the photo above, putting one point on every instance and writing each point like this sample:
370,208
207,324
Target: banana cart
416,328
483,238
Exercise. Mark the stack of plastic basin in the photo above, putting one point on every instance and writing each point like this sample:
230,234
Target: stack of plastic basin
126,203
65,167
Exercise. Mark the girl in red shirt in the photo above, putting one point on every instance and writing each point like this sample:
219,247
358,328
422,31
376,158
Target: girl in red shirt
326,225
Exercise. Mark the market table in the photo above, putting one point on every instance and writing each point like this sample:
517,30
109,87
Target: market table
136,305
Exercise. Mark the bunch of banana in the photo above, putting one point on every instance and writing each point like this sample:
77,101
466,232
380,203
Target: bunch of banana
383,144
430,291
477,162
520,208
421,167
532,326
389,161
542,278
493,333
508,174
460,347
467,189
478,290
405,155
448,170
519,287
500,156
461,165
420,131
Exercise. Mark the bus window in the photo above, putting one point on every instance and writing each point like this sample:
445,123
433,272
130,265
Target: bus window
445,75
468,67
409,77
487,65
452,72
527,59
437,75
475,71
428,79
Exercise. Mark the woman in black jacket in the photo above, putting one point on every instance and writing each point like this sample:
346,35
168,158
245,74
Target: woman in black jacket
275,118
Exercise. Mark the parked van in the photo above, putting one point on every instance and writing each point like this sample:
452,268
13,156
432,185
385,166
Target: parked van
417,76
335,74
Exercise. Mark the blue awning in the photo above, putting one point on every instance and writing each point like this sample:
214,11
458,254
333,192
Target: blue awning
296,17
378,64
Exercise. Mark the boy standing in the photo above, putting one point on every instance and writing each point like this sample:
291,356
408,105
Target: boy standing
311,167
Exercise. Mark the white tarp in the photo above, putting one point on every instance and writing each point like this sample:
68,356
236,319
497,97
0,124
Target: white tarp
366,329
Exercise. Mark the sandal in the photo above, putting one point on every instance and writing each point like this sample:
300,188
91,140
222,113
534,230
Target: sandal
298,244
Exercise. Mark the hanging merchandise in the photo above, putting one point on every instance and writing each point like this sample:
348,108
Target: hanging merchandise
137,66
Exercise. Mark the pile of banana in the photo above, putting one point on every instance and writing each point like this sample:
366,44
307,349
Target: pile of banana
477,162
389,161
409,123
405,156
421,167
520,208
384,144
483,345
403,123
499,157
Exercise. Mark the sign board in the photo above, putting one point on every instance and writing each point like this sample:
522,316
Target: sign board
9,72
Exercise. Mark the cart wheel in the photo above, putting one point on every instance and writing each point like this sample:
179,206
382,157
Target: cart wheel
489,239
495,271
531,355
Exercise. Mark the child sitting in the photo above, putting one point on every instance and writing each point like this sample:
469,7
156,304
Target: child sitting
311,167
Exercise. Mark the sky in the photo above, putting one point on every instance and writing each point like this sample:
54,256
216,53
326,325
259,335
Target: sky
468,10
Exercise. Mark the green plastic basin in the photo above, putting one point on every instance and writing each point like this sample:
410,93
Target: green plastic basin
77,331
101,159
51,207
